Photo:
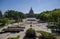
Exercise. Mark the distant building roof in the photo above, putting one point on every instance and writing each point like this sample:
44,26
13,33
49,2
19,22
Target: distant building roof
30,14
31,11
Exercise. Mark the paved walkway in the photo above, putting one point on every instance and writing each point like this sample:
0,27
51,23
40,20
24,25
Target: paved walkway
40,26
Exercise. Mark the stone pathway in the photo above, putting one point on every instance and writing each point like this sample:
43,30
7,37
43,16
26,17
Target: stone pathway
22,34
40,26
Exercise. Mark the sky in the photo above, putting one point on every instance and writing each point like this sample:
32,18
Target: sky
38,6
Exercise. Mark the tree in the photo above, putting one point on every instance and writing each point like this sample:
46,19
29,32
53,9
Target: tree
50,15
44,15
0,14
4,21
9,14
56,14
14,15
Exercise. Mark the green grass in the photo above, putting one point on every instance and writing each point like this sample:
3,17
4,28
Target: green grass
1,26
14,37
45,33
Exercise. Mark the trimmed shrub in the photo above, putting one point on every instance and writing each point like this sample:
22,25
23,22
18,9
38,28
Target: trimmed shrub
30,33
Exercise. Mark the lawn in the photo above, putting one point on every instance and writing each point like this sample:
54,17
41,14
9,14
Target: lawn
1,26
14,37
45,33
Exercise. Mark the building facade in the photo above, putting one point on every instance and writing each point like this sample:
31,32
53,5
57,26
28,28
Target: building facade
31,14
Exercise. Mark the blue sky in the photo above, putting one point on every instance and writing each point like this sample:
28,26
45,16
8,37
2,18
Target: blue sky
25,5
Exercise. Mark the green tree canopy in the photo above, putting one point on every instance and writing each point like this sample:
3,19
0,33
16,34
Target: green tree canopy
4,21
12,14
50,15
0,14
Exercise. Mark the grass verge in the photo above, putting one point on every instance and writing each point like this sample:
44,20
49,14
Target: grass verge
14,37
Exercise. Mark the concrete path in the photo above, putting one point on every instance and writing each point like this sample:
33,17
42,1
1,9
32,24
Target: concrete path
40,26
